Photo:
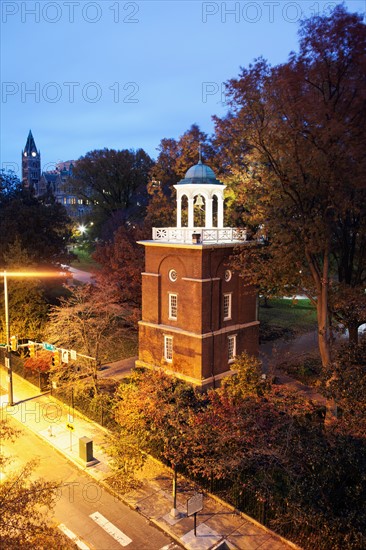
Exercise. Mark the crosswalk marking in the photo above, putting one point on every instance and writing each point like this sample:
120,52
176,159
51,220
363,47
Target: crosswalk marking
79,543
111,529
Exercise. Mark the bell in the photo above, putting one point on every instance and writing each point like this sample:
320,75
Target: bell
199,201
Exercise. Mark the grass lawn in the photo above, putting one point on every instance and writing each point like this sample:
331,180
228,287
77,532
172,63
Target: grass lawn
83,260
286,318
123,348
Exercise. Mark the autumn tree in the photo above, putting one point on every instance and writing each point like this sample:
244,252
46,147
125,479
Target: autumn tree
297,131
174,159
122,262
268,445
154,408
87,321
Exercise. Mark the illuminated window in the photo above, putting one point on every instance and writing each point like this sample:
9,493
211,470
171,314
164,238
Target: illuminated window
168,348
231,348
227,306
173,306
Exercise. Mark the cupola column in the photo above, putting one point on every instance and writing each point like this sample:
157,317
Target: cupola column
220,212
179,212
191,212
208,218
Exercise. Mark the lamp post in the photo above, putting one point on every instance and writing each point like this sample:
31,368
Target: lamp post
7,336
21,275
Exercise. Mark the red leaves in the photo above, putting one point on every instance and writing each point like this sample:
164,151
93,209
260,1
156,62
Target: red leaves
40,363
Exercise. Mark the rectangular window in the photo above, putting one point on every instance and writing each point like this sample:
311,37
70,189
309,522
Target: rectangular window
168,348
173,306
227,306
231,348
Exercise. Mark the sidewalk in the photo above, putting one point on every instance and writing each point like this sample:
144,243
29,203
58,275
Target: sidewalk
218,524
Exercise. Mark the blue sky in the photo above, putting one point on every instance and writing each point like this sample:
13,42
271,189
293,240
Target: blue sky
85,75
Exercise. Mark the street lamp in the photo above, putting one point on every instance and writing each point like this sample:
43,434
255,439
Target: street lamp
21,275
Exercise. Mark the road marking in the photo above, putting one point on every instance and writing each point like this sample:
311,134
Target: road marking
79,543
111,529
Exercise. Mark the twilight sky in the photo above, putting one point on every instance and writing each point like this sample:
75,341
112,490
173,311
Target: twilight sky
85,75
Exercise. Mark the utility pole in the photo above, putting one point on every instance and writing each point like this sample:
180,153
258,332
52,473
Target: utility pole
8,350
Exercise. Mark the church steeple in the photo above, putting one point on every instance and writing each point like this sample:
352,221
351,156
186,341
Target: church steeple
31,163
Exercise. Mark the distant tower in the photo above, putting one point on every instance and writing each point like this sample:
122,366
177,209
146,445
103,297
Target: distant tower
31,164
197,313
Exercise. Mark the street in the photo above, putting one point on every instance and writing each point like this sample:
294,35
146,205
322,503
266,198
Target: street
84,507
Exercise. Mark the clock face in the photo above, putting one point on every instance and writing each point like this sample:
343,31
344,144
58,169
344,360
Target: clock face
34,154
25,154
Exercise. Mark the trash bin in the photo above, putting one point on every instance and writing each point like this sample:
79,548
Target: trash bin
86,449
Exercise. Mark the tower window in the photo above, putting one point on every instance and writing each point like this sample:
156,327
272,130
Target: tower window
168,348
227,306
173,306
231,348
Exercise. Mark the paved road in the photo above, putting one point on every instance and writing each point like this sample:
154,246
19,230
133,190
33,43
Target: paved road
117,369
100,521
81,276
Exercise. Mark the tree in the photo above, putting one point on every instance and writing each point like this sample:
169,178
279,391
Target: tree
25,520
247,378
174,159
27,303
122,262
272,448
153,408
41,363
87,322
296,131
9,185
113,180
43,231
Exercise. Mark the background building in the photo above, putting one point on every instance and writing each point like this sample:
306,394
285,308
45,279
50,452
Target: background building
55,183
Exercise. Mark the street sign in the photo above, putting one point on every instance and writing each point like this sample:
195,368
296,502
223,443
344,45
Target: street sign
195,504
70,427
64,356
48,347
73,355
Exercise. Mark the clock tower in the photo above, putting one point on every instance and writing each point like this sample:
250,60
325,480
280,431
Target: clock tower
31,164
197,313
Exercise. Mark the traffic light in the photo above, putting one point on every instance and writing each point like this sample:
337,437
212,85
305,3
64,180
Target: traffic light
32,350
14,343
56,359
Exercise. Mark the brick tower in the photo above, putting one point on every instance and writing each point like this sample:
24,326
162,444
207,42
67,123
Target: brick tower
197,314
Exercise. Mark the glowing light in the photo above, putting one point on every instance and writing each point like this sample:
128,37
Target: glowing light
82,229
35,274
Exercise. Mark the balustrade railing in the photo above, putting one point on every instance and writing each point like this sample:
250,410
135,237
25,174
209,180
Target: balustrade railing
199,235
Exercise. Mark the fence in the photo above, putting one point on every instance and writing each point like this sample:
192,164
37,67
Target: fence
37,378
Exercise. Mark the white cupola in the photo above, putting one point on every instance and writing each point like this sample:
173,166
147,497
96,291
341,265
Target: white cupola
200,186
